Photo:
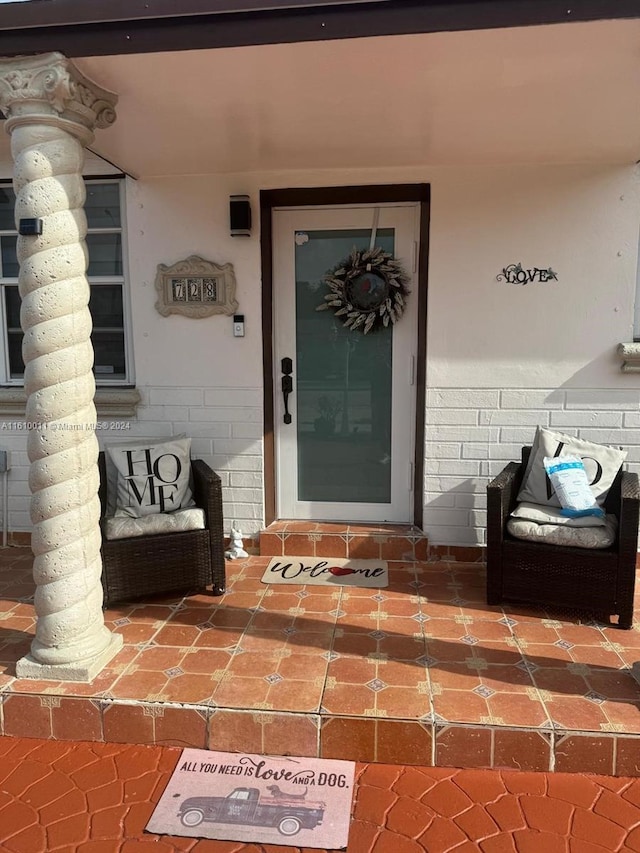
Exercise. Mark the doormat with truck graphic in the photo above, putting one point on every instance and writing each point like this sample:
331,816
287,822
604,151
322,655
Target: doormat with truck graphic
327,571
229,796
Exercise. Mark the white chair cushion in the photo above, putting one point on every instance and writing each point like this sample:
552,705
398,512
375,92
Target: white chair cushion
562,534
125,527
551,515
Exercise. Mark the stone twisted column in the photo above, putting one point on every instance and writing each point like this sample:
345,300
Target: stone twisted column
51,111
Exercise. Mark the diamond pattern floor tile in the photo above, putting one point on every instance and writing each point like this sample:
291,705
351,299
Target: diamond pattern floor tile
426,647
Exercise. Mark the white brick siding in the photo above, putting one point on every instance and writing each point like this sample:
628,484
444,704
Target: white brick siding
471,435
226,431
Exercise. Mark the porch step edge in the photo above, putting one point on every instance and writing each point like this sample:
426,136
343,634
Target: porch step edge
355,541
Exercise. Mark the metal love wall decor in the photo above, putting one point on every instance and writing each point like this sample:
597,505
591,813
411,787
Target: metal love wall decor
516,274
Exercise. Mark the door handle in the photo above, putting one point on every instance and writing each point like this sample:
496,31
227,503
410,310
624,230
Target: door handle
287,386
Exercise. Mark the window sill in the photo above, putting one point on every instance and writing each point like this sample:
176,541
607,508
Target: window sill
110,402
630,357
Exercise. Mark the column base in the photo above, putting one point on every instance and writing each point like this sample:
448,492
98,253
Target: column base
85,669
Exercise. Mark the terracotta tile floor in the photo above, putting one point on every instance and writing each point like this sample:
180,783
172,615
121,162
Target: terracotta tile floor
420,672
97,798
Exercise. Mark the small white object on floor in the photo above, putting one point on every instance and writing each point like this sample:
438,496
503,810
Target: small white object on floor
236,551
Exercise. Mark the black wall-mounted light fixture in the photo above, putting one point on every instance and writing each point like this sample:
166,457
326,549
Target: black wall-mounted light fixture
30,227
240,215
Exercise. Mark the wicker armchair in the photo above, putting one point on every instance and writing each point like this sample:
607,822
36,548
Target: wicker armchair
595,581
149,565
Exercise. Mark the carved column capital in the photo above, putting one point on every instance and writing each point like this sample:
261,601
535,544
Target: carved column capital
50,89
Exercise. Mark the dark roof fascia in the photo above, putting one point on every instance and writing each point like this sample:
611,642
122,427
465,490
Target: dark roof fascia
170,25
46,13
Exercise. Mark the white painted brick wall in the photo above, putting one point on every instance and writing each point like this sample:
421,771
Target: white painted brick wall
176,396
226,431
471,435
225,425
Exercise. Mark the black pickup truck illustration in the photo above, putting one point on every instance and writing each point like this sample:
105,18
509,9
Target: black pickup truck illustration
287,814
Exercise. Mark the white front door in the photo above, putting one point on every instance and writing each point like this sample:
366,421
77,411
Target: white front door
345,436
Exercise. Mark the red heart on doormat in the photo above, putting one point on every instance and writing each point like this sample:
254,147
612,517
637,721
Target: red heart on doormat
341,570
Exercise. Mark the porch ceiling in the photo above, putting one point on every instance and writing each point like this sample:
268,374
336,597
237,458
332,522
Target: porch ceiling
538,94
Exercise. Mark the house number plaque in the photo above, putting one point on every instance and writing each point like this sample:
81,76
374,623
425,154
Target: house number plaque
195,288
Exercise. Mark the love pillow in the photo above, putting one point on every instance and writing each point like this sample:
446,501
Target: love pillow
601,463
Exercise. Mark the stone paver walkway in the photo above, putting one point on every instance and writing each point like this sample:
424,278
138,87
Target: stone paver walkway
97,798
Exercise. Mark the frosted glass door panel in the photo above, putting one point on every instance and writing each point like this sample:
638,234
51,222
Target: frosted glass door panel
345,437
343,411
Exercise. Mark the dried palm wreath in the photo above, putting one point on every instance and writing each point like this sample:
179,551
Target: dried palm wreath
369,289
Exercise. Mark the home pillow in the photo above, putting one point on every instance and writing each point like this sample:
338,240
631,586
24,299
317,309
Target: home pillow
124,527
559,534
601,463
144,477
551,515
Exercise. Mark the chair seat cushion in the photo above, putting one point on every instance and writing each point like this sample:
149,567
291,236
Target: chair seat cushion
125,527
563,534
551,515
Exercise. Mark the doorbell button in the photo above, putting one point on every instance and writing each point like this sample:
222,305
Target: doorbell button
238,325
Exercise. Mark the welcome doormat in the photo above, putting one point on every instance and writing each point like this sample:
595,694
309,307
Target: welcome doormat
335,572
228,796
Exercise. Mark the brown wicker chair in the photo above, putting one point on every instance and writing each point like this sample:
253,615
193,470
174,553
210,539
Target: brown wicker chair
172,562
595,581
